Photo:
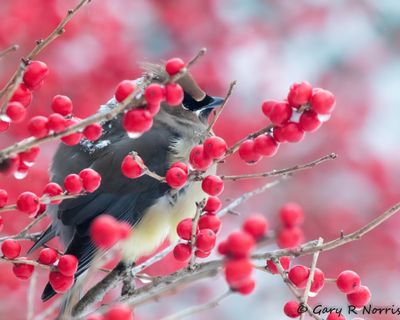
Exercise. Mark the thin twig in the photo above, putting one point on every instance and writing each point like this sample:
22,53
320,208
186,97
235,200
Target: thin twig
195,222
26,261
31,236
144,168
157,257
6,51
32,295
49,310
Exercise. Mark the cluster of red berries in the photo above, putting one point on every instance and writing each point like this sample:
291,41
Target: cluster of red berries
290,235
207,229
106,231
304,110
139,120
115,312
237,249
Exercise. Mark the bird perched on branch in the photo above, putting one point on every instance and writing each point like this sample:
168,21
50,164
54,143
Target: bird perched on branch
147,204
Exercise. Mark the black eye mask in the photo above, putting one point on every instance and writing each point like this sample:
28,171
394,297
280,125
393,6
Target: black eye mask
194,105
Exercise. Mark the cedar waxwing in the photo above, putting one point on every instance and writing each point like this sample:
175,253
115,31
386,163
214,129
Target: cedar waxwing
149,206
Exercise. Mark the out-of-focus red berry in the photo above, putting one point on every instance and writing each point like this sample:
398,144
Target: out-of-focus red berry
309,121
256,225
53,189
28,202
3,198
348,281
291,214
247,287
137,120
198,159
73,183
48,256
323,101
335,316
238,272
93,131
15,111
62,105
119,312
223,248
124,89
182,252
37,126
213,185
173,94
240,244
11,248
22,95
215,147
289,237
299,94
60,282
247,153
205,240
105,231
176,177
202,254
174,65
131,168
35,73
91,179
125,230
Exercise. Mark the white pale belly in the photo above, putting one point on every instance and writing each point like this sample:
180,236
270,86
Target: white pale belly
160,222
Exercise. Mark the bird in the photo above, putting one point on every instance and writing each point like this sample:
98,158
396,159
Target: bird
150,206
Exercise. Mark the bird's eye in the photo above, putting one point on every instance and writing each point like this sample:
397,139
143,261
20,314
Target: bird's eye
193,105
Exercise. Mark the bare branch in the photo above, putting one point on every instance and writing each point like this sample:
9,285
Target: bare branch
31,295
6,51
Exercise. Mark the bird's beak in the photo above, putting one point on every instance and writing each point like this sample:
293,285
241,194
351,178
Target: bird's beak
214,103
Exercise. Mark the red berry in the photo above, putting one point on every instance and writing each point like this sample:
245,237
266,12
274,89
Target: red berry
213,204
256,225
291,214
3,198
181,165
280,112
48,256
265,145
240,244
210,221
131,168
278,134
335,316
292,132
359,297
35,73
125,230
23,271
4,125
105,231
247,152
284,261
182,252
318,281
1,223
268,105
348,281
93,131
95,316
53,189
154,94
119,312
323,101
56,122
213,185
215,147
176,177
37,127
16,111
198,158
290,237
184,229
73,138
91,179
28,202
173,94
73,183
246,288
124,89
29,155
205,240
67,265
59,282
309,121
62,105
202,254
174,65
223,248
298,275
42,209
11,249
299,94
22,95
238,272
291,309
137,120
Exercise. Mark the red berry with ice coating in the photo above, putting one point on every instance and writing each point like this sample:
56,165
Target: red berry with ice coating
56,122
73,138
280,113
298,275
284,261
11,248
37,127
348,281
247,152
154,94
205,240
29,155
67,265
73,183
23,271
124,89
213,204
3,198
291,214
309,121
213,185
22,95
59,282
291,309
256,225
174,65
299,94
137,120
28,202
119,312
35,73
91,179
290,237
291,132
210,221
93,131
240,244
132,168
198,159
323,101
16,111
265,145
184,229
238,272
173,94
48,256
53,189
182,252
176,177
105,231
215,147
62,104
359,297
318,281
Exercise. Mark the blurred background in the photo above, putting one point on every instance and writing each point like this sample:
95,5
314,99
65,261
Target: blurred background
348,47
